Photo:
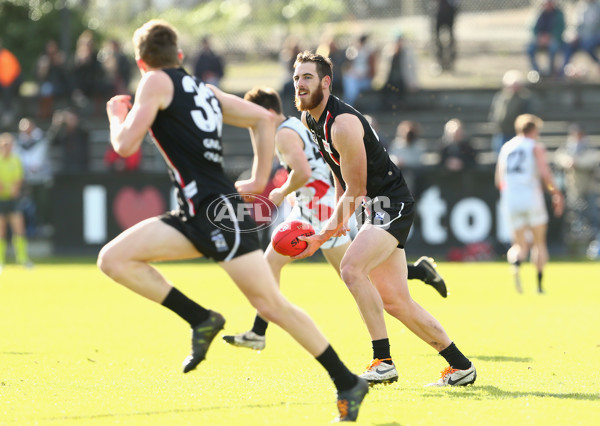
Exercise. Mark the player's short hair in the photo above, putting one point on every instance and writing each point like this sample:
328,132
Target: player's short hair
525,123
265,97
324,65
155,43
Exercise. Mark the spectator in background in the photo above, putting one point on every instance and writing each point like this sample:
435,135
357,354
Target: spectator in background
402,73
587,37
579,162
407,150
51,74
117,68
11,178
209,67
444,40
88,75
10,82
359,75
287,57
67,132
547,35
457,153
32,149
513,100
330,48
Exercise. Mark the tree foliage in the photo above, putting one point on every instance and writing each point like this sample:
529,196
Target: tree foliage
28,25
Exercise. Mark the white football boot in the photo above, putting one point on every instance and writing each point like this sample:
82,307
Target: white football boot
249,339
380,372
453,377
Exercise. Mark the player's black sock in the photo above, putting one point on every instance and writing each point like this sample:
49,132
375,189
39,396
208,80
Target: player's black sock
416,272
540,275
342,377
186,308
381,349
455,357
260,326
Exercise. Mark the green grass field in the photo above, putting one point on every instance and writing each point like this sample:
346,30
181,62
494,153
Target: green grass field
77,349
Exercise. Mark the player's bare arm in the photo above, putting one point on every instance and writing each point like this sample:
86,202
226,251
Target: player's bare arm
290,146
539,151
347,137
129,124
339,192
498,177
16,189
261,123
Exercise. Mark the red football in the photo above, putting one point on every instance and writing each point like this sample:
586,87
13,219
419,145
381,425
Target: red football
285,238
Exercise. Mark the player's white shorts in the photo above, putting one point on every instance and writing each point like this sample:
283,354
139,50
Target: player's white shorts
312,217
518,219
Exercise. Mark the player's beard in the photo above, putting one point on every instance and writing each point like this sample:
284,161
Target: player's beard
306,104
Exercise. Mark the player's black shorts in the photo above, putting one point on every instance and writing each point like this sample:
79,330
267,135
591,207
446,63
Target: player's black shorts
217,230
395,217
8,206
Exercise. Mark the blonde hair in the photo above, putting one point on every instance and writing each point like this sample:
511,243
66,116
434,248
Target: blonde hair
525,123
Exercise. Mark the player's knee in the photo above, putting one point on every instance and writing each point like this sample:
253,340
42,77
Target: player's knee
108,262
351,274
103,261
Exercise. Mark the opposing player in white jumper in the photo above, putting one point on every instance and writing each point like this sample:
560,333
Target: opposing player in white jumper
522,173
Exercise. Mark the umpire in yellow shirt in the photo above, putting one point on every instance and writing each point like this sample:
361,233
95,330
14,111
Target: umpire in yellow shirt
11,178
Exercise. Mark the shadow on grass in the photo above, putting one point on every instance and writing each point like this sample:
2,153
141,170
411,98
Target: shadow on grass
502,358
492,358
198,410
485,392
473,393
